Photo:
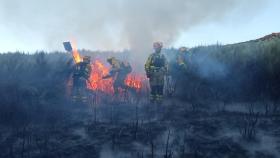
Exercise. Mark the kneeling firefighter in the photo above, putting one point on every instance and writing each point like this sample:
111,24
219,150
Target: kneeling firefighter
156,70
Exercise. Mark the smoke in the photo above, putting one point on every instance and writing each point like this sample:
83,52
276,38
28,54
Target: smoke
111,24
209,67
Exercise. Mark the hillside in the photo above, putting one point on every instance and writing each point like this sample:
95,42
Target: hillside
246,71
226,105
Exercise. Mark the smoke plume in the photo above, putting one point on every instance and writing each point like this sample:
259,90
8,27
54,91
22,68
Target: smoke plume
111,24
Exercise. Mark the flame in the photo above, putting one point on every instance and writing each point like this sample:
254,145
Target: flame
96,83
76,55
134,81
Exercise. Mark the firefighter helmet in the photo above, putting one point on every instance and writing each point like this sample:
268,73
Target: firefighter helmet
111,59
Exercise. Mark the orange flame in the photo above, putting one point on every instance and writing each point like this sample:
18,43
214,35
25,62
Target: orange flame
134,81
76,55
96,83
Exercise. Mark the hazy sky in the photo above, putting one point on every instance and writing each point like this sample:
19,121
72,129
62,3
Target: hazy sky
30,25
231,30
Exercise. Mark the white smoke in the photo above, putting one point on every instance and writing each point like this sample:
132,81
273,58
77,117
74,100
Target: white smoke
111,24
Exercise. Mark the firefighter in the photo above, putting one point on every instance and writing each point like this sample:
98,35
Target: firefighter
156,70
180,68
181,58
81,75
119,71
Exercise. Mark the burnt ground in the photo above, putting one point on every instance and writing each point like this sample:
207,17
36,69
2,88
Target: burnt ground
174,129
38,120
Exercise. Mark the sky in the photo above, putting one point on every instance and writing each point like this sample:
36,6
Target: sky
33,25
227,32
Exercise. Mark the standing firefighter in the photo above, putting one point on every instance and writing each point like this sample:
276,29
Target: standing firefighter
156,69
181,58
179,68
119,71
81,75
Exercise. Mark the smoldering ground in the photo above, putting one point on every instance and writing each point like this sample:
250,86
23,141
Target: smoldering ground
37,118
